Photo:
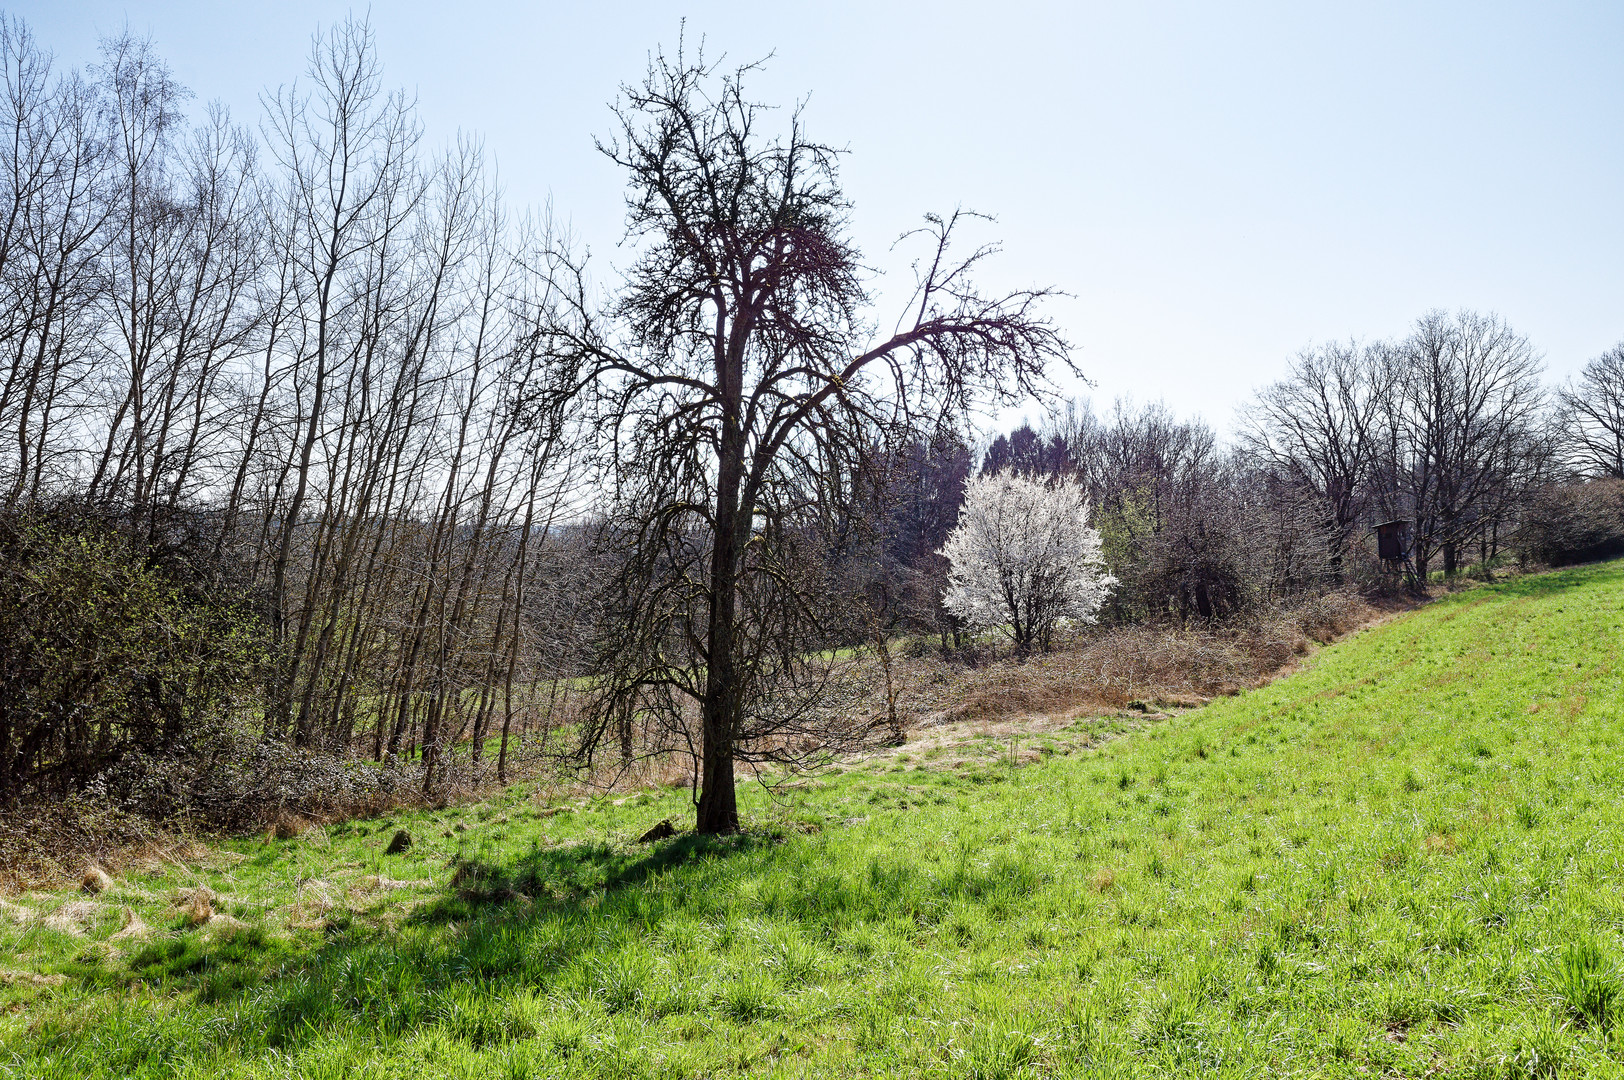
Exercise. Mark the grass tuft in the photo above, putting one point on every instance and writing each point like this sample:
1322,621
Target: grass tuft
1587,982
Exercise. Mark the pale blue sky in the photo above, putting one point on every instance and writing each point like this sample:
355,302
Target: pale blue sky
1218,184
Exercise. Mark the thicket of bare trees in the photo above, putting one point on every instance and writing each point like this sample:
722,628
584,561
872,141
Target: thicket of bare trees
313,362
1583,518
1315,432
1463,438
1191,530
1592,418
1447,429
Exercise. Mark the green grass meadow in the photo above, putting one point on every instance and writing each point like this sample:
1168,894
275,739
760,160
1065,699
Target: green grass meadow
1405,860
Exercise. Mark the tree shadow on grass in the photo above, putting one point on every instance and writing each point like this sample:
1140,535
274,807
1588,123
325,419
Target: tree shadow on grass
572,877
527,921
581,920
578,923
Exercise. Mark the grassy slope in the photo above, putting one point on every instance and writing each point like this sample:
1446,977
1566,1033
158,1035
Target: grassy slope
1405,859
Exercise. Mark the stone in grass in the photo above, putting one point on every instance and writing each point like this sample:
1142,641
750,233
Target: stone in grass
94,880
401,841
663,831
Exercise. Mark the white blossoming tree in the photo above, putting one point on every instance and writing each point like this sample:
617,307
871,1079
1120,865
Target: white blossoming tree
1024,559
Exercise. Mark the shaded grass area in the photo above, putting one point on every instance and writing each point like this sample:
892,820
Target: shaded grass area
1404,860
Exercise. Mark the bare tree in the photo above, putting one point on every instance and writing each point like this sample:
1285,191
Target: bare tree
1594,403
1460,431
344,149
1318,429
736,386
57,201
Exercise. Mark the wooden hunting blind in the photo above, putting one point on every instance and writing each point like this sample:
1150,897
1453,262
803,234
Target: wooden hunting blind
1393,540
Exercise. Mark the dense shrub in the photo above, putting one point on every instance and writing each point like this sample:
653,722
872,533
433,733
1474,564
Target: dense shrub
42,840
107,648
1573,523
239,781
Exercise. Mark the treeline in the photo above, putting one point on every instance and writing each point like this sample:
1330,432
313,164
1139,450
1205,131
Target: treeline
293,376
1449,430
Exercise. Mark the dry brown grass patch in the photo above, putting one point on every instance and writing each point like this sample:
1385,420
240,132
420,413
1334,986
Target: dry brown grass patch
94,880
196,904
287,825
315,898
222,924
30,978
133,929
1109,668
72,917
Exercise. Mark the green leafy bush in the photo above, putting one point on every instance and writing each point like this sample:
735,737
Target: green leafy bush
106,649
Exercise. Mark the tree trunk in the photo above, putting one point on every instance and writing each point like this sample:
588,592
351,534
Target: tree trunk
718,808
883,647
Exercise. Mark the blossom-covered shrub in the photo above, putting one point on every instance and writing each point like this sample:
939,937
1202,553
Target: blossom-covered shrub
1024,558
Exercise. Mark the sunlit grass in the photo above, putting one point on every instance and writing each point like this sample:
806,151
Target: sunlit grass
1405,860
